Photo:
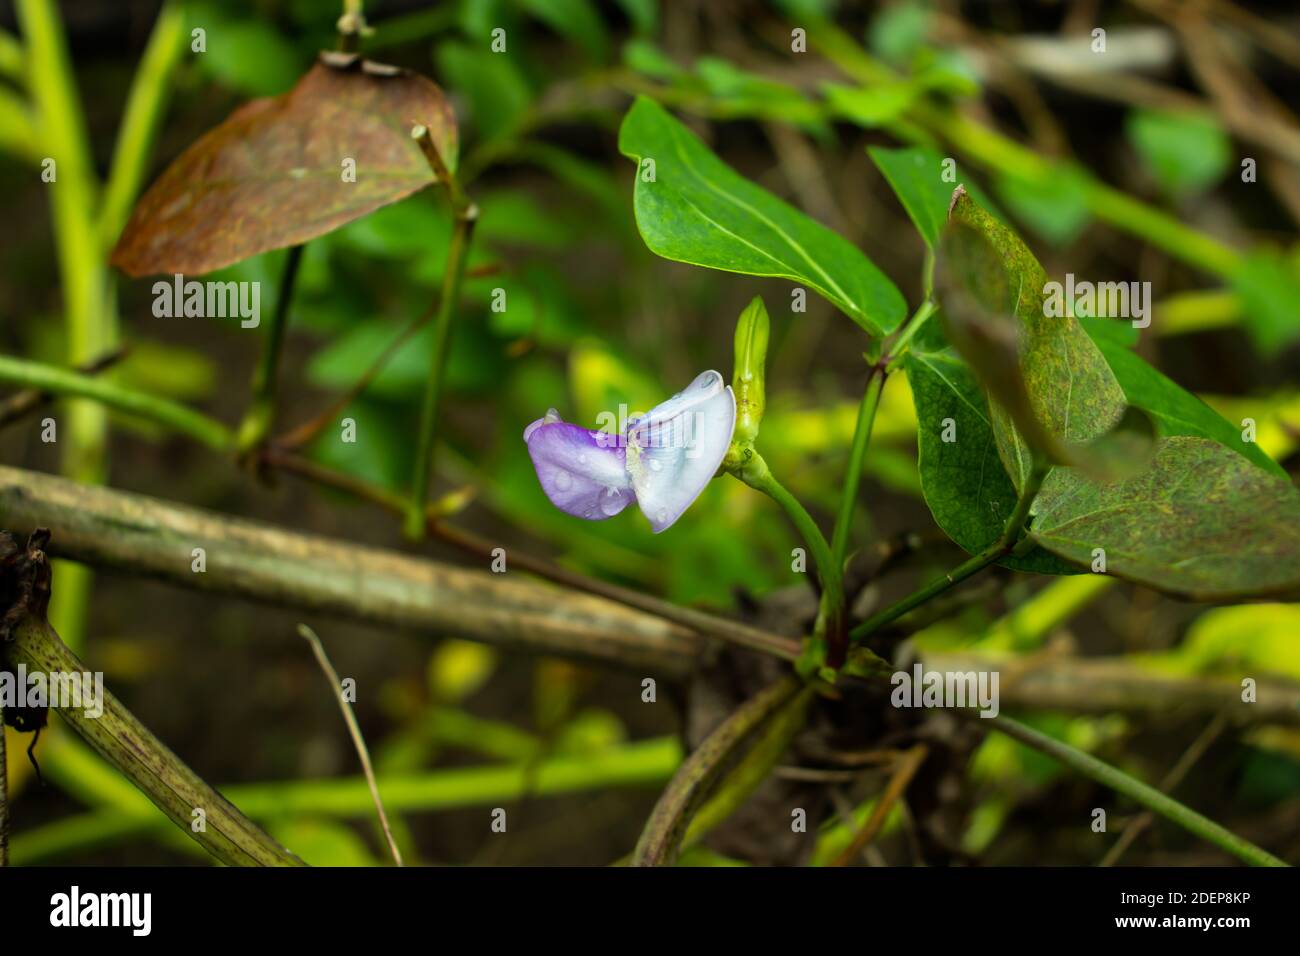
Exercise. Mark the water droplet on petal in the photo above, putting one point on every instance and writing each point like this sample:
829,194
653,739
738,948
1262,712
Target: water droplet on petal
563,480
582,459
610,502
662,516
655,464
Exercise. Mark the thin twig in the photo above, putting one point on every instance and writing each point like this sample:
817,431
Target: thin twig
464,215
1137,791
904,771
261,411
358,741
308,431
1138,825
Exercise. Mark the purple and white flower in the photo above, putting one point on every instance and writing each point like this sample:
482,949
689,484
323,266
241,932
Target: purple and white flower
662,460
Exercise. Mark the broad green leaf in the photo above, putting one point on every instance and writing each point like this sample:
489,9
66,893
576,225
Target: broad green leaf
1186,152
1200,521
962,479
1071,390
1177,412
916,176
698,210
1117,332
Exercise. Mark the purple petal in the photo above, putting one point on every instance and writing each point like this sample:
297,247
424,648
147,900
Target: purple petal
583,472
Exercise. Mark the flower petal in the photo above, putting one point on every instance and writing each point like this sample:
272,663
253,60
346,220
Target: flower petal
583,472
674,450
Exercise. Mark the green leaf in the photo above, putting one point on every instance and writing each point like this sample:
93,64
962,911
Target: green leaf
497,92
738,92
899,31
873,106
1269,286
1186,152
644,14
963,481
645,57
576,19
1118,332
916,175
249,56
1176,411
700,211
1200,521
1055,206
1071,390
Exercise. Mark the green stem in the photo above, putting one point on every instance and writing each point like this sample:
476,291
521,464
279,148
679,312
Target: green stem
754,472
61,381
899,346
830,617
89,316
145,103
996,551
644,763
1136,790
857,455
465,216
261,413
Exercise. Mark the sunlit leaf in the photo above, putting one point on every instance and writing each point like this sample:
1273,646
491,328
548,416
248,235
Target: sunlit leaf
698,210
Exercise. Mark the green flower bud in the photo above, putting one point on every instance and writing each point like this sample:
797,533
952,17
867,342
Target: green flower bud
748,382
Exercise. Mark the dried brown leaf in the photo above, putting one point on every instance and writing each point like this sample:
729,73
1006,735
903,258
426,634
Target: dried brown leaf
271,175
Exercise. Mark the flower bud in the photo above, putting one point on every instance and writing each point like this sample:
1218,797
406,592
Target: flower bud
748,382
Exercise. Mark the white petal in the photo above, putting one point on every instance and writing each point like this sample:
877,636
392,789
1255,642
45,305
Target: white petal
675,449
